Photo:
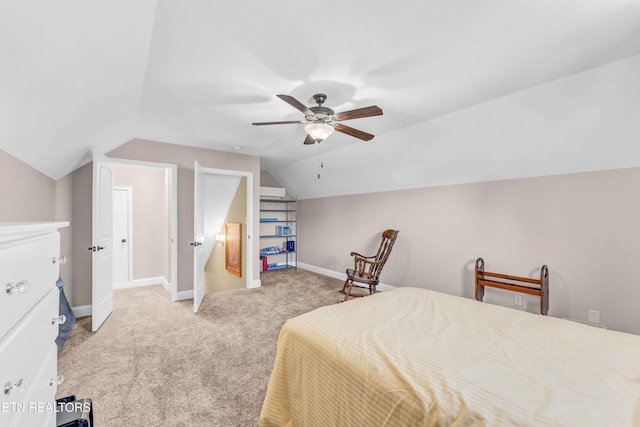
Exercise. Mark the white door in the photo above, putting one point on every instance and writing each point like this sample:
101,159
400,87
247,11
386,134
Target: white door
102,242
198,233
122,267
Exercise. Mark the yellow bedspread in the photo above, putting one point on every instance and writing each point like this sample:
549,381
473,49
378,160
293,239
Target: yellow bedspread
413,357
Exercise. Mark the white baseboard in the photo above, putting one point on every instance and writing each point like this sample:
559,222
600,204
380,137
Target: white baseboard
254,284
82,311
585,322
323,271
337,275
144,282
183,295
383,287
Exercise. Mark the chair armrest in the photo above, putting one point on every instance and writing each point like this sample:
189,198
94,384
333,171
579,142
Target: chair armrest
361,256
366,260
365,269
364,264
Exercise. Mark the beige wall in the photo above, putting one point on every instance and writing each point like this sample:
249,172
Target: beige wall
216,277
583,226
25,193
267,180
151,230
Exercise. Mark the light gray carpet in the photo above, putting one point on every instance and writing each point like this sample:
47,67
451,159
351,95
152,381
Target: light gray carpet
156,363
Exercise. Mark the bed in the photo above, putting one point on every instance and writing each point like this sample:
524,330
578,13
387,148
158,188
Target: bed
415,357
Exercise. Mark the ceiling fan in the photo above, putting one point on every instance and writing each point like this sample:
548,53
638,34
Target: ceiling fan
320,122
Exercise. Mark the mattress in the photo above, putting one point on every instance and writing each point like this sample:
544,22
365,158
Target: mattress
414,357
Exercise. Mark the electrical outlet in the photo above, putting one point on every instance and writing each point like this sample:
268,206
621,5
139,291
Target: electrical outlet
594,316
518,300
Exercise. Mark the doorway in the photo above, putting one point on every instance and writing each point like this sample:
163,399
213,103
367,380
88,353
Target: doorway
217,277
213,184
152,224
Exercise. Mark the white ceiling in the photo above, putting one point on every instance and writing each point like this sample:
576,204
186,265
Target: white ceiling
78,76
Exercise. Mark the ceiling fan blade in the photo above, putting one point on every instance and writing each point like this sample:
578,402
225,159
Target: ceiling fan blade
296,104
297,122
309,140
358,113
354,132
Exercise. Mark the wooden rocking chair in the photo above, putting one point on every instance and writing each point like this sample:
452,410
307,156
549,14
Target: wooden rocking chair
367,269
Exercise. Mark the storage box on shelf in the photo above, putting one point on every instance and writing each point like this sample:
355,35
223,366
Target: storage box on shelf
278,226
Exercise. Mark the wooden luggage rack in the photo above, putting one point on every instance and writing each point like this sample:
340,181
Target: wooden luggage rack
525,285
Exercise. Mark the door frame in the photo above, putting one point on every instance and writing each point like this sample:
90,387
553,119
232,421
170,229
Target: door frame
173,212
248,228
129,191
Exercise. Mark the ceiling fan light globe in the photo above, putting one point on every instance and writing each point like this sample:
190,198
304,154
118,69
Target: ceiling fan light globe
318,131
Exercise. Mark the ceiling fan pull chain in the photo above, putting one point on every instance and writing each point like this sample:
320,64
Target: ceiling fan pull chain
321,161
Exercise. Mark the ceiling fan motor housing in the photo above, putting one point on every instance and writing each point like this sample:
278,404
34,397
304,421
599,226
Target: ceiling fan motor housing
322,114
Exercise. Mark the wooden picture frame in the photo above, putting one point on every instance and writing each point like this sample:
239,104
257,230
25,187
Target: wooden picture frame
233,248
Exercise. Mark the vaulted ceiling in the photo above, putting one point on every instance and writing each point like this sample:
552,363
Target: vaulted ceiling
81,76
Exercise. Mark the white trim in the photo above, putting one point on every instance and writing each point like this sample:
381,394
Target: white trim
123,285
148,281
585,322
182,295
323,271
248,241
173,285
21,230
255,284
82,311
382,287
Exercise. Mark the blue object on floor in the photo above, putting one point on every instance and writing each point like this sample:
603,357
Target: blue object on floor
65,309
74,413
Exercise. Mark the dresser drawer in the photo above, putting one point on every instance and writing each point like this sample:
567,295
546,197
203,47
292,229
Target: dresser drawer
38,408
23,352
29,262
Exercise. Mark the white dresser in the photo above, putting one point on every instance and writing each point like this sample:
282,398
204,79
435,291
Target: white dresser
29,319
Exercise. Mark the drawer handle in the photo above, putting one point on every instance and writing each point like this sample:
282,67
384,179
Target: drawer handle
57,380
20,288
18,386
60,260
60,320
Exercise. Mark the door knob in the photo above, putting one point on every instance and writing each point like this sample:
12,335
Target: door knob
124,240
